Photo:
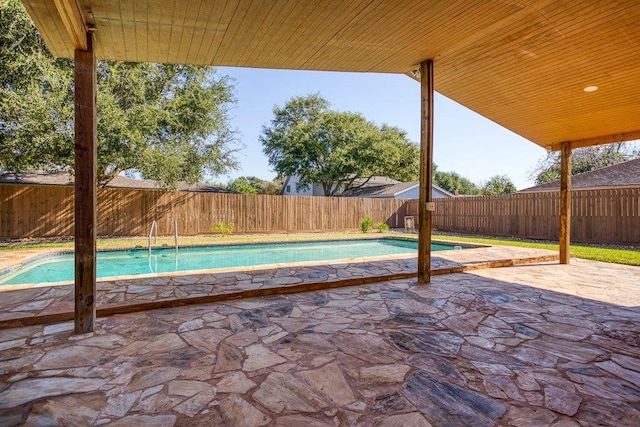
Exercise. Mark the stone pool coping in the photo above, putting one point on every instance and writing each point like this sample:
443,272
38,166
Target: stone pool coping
51,304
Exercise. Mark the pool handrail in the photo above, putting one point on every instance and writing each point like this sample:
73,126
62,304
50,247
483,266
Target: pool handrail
154,226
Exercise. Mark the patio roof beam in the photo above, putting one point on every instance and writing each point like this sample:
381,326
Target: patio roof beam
565,203
425,205
599,140
85,80
73,21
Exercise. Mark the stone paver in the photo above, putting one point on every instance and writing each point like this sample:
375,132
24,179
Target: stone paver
532,345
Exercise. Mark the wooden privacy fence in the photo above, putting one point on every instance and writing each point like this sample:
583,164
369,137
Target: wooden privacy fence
47,211
597,216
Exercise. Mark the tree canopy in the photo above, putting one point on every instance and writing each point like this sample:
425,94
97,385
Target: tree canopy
164,122
242,186
308,139
453,182
499,184
457,184
254,185
583,160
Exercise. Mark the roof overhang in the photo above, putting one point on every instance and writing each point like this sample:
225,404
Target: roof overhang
521,63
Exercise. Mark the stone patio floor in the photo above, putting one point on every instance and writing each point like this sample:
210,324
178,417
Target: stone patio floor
20,301
530,345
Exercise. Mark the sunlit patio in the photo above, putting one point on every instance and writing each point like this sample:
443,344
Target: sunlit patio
539,344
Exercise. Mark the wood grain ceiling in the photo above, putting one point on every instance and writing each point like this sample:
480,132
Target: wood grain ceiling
521,63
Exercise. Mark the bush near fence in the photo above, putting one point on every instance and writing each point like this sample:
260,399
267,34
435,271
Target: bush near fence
28,211
597,216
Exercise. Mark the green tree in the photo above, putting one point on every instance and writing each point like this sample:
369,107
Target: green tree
272,187
583,160
255,185
454,183
499,184
166,122
242,185
34,111
333,148
400,156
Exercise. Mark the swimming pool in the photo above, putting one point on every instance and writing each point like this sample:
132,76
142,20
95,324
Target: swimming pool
60,267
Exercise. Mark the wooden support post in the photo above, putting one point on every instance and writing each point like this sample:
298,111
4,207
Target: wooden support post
425,204
565,203
86,130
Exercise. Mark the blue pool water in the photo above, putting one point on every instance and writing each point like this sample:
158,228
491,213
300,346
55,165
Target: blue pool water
59,268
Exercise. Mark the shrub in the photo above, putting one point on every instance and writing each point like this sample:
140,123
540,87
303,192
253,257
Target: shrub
223,228
382,227
365,224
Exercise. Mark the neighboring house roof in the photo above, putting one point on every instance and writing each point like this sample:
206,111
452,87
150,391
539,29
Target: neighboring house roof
389,190
65,178
626,174
375,181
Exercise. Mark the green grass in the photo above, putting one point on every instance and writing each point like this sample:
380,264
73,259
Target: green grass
142,242
592,252
596,253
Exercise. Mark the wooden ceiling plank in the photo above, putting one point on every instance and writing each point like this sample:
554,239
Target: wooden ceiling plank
370,44
154,20
127,24
530,8
222,27
177,31
432,27
277,29
165,31
184,52
141,22
302,11
215,14
377,19
252,26
513,45
117,32
311,32
45,17
253,36
201,30
235,26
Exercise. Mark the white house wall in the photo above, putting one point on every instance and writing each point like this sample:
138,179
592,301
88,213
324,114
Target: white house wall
291,189
318,190
414,193
438,194
410,193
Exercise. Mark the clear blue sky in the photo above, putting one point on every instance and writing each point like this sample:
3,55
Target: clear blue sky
464,141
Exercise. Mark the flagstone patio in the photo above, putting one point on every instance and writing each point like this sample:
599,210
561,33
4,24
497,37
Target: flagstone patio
46,303
525,346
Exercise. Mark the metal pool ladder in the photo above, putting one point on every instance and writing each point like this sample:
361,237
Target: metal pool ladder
154,227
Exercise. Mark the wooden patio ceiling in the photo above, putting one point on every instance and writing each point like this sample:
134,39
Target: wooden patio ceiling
521,63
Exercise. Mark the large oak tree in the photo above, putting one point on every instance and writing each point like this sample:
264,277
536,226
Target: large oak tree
164,122
335,149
